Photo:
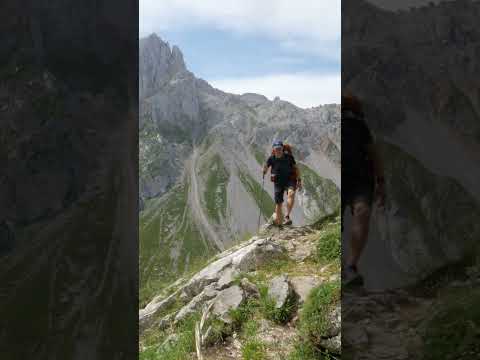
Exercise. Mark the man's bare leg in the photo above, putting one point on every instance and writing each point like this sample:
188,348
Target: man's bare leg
290,201
278,214
360,227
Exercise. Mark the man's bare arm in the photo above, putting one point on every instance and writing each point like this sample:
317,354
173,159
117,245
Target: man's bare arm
265,169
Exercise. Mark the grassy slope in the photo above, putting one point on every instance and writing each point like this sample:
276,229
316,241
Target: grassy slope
163,224
261,197
323,192
259,154
215,194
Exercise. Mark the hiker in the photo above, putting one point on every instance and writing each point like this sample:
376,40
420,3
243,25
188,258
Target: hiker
285,176
362,181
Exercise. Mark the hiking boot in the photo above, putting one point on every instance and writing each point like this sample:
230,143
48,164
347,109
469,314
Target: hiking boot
288,221
351,277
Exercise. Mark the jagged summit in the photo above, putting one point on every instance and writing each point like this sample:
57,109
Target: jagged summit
158,64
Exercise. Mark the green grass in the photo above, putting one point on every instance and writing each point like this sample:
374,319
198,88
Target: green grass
274,267
454,332
167,224
250,329
261,197
269,269
243,313
314,322
314,316
215,194
178,349
328,245
254,350
304,350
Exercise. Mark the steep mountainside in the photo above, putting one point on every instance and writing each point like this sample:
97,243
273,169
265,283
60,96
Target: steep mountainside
201,153
421,100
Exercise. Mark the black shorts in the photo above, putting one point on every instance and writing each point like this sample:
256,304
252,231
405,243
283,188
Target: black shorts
354,191
280,188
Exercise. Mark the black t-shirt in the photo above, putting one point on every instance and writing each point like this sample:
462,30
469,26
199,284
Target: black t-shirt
282,167
355,140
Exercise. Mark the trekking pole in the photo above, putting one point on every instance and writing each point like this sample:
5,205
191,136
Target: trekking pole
261,203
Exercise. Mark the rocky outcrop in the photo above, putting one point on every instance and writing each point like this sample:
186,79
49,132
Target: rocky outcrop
207,283
229,290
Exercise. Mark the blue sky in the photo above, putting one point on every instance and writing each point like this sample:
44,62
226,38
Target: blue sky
284,48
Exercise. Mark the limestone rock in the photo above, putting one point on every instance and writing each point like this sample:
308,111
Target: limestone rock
250,289
146,315
196,303
164,322
333,344
302,285
245,258
228,299
280,291
334,320
227,278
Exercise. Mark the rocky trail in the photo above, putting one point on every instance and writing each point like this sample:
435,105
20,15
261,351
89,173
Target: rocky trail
258,298
436,319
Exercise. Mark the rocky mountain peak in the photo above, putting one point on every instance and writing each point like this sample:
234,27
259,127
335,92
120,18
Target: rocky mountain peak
158,64
177,57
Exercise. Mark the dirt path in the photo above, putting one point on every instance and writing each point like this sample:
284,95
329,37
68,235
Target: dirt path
197,206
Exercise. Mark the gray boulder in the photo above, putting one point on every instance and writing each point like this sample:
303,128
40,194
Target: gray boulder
280,290
302,285
227,278
195,304
227,300
250,289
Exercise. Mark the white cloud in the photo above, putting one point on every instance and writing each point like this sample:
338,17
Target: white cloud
310,22
303,90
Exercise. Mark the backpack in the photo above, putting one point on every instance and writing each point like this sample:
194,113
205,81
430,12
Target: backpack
287,149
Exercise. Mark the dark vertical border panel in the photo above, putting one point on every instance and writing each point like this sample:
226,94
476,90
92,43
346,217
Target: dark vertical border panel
414,65
69,192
